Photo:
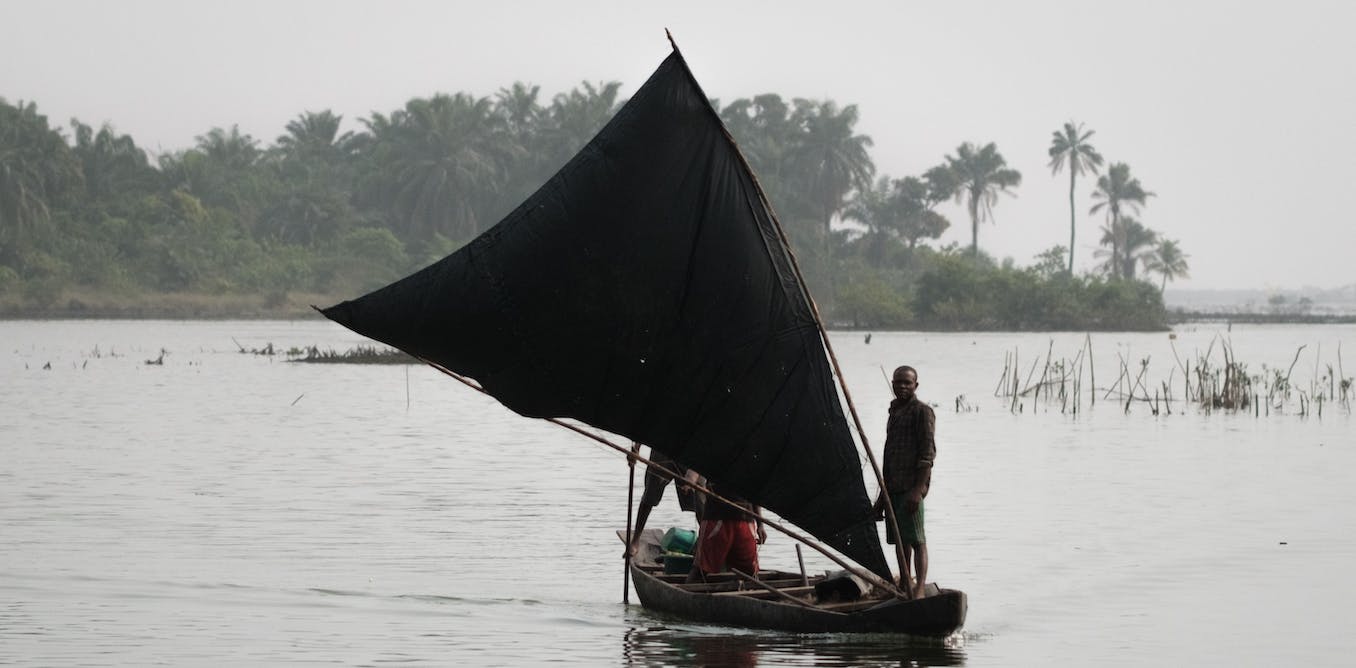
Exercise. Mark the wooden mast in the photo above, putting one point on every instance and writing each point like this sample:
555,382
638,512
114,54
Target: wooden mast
630,503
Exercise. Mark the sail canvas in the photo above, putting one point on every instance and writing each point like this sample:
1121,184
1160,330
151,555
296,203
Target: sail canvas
645,290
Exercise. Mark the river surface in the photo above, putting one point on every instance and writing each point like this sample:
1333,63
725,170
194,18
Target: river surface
222,508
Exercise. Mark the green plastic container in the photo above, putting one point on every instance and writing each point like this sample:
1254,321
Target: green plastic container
676,563
678,540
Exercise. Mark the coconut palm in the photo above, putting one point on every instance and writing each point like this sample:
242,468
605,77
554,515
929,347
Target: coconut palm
110,163
1117,190
980,176
523,120
768,136
229,148
877,208
1168,261
314,166
766,132
519,107
575,117
917,197
315,135
1137,244
829,159
439,163
36,166
1131,242
220,171
1070,147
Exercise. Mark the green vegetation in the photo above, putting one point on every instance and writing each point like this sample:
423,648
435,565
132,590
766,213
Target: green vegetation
91,225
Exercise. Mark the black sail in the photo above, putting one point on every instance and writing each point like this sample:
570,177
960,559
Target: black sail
644,290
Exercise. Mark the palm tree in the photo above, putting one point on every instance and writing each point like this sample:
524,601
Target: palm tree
111,163
1137,244
314,167
917,197
229,149
575,117
1168,261
768,137
36,166
1117,189
315,135
766,133
519,107
523,120
1071,147
1130,243
877,208
830,160
980,175
220,171
438,164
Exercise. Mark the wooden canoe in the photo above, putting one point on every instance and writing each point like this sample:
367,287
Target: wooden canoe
730,600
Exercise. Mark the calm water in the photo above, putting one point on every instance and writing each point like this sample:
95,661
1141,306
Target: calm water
225,508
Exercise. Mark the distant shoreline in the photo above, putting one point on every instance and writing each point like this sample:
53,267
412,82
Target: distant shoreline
213,307
173,306
1179,317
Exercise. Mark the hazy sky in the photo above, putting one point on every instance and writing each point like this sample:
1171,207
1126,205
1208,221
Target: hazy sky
1241,117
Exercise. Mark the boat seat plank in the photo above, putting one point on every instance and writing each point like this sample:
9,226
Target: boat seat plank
850,606
763,593
731,586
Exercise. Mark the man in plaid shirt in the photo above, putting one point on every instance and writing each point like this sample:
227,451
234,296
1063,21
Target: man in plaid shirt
910,448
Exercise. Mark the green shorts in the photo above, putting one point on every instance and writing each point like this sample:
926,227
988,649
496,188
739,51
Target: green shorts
910,527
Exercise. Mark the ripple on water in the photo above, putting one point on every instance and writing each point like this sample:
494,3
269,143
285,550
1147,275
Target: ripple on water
200,514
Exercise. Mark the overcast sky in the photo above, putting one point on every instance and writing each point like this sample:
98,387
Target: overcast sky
1240,117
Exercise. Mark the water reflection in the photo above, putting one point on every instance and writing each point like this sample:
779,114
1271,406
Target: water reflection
681,645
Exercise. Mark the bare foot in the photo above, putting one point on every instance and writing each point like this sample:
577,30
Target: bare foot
920,590
905,584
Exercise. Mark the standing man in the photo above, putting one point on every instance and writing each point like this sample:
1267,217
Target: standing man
910,449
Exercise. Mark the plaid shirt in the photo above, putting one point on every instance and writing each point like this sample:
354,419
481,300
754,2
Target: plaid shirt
910,447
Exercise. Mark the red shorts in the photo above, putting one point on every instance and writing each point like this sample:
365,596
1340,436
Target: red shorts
727,544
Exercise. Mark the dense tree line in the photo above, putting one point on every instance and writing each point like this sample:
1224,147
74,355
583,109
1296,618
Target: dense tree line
321,211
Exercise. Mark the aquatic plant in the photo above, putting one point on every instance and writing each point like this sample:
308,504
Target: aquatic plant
1214,380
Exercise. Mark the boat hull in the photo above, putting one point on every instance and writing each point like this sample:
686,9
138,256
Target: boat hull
935,616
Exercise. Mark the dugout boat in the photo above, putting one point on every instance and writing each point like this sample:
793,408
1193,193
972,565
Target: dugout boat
647,290
785,601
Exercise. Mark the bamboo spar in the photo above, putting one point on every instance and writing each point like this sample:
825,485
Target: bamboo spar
852,568
630,504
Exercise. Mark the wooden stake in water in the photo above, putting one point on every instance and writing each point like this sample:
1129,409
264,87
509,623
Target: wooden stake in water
1092,375
630,498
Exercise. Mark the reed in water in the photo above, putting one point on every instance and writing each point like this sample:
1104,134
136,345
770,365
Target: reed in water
362,354
1214,380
